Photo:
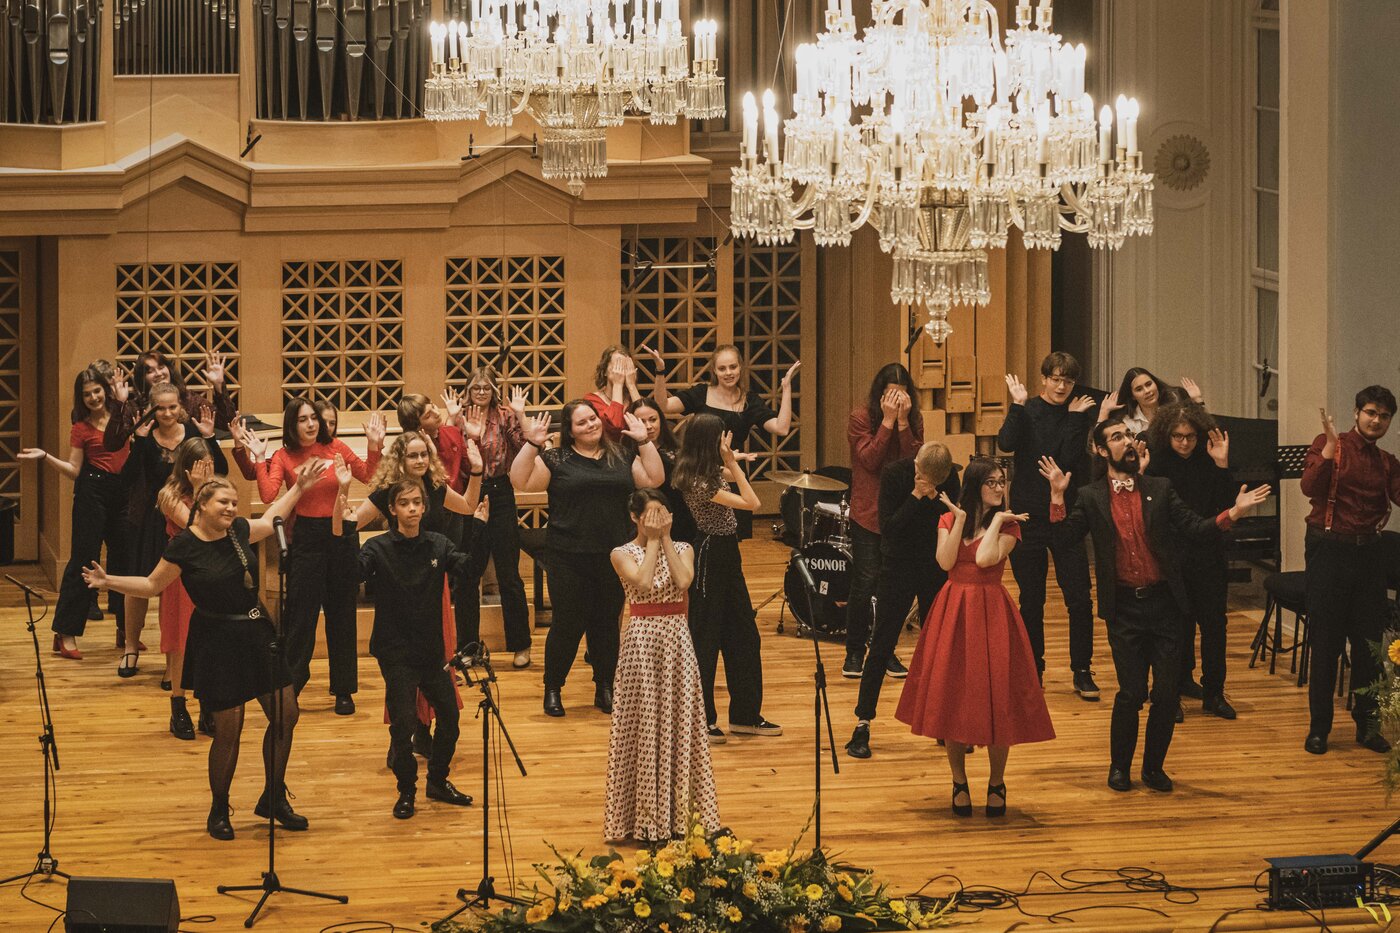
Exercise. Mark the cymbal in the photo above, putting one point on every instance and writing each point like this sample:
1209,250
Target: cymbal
806,481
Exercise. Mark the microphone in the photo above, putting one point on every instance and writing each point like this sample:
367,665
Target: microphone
25,587
805,573
279,528
470,654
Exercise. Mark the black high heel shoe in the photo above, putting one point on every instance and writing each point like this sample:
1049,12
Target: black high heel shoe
129,670
962,809
218,825
996,790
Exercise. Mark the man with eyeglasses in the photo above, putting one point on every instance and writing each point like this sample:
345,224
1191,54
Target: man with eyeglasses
1050,425
1351,484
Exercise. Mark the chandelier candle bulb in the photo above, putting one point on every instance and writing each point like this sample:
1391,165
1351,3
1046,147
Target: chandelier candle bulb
1106,134
1132,126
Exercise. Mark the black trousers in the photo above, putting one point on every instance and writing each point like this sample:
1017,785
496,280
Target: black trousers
1346,599
401,684
99,515
899,585
1030,564
1143,636
588,598
865,572
1206,575
722,621
503,541
316,584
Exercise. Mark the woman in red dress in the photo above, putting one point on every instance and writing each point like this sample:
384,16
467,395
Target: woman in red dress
973,677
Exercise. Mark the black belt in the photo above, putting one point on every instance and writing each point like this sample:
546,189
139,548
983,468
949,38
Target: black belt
1337,536
252,615
90,472
1142,592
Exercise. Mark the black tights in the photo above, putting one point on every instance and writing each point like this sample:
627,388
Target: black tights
277,746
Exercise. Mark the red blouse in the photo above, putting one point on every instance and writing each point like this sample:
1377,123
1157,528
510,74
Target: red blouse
316,502
95,453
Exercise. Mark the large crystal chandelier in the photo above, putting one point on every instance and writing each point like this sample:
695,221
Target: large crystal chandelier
957,135
578,67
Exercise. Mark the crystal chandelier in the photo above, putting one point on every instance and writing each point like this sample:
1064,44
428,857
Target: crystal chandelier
578,67
957,135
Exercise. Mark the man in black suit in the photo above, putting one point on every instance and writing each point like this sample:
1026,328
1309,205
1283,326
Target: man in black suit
1141,529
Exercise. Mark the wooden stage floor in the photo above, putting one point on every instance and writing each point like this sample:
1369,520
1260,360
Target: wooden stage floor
132,799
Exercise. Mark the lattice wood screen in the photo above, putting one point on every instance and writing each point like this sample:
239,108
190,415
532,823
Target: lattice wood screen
342,332
508,311
181,309
670,304
11,356
768,333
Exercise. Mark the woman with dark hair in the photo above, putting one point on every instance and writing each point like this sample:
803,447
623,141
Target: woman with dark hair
887,428
721,615
973,679
153,446
728,397
1139,396
495,427
1189,449
588,478
658,758
99,507
648,411
230,635
154,369
312,584
615,386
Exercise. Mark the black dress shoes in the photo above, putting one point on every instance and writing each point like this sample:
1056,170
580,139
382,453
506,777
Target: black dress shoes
1217,705
403,807
854,665
1371,740
1084,686
206,722
859,745
180,725
344,705
446,793
602,698
1180,713
1118,780
553,704
282,812
1316,744
1192,690
218,825
1157,780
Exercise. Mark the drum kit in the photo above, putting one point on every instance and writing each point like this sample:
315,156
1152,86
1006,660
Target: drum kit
823,542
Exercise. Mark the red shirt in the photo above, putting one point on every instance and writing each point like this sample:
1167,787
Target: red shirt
1136,565
611,414
452,451
1368,480
316,502
870,454
95,453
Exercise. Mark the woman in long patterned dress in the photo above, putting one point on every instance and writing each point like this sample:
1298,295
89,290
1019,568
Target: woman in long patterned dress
658,753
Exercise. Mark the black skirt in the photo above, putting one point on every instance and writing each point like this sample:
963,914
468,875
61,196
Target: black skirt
230,660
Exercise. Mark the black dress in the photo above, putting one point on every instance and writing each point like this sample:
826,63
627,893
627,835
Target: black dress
147,468
755,413
228,656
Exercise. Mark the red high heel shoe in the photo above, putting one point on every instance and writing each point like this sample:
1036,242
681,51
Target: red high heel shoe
72,654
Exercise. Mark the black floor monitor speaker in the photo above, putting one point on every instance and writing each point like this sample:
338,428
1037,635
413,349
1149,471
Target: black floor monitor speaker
122,905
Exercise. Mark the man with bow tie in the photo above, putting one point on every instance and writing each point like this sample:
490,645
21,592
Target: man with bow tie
1141,530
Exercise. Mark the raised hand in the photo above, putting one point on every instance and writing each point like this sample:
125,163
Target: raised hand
923,489
1248,500
1082,404
1218,446
889,404
726,449
215,369
201,473
311,472
949,504
474,459
1016,389
655,358
256,443
94,576
617,371
451,403
343,476
634,429
1109,405
474,427
1057,478
121,384
32,453
1193,391
375,431
1002,518
205,420
1329,428
1144,455
747,457
788,376
664,522
536,430
518,398
483,510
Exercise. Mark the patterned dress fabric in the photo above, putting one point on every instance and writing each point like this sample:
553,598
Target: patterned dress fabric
658,753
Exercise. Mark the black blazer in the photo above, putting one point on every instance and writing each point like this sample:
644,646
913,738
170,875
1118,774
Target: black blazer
1170,523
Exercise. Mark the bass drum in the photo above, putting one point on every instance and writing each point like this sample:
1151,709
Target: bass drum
831,569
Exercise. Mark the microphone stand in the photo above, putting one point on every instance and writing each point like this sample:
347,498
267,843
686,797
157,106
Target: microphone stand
271,884
819,700
488,712
45,864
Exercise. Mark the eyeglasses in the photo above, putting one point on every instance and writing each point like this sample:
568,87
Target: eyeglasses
1059,380
1184,437
995,483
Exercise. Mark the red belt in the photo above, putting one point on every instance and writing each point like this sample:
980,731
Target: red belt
660,609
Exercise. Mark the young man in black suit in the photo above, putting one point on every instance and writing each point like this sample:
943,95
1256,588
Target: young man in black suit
1141,529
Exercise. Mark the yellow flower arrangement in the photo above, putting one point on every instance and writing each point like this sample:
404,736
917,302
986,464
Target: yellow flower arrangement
831,923
628,883
813,892
843,892
750,890
665,867
725,844
1394,651
768,872
611,890
641,909
687,896
734,914
699,849
594,901
714,881
540,912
